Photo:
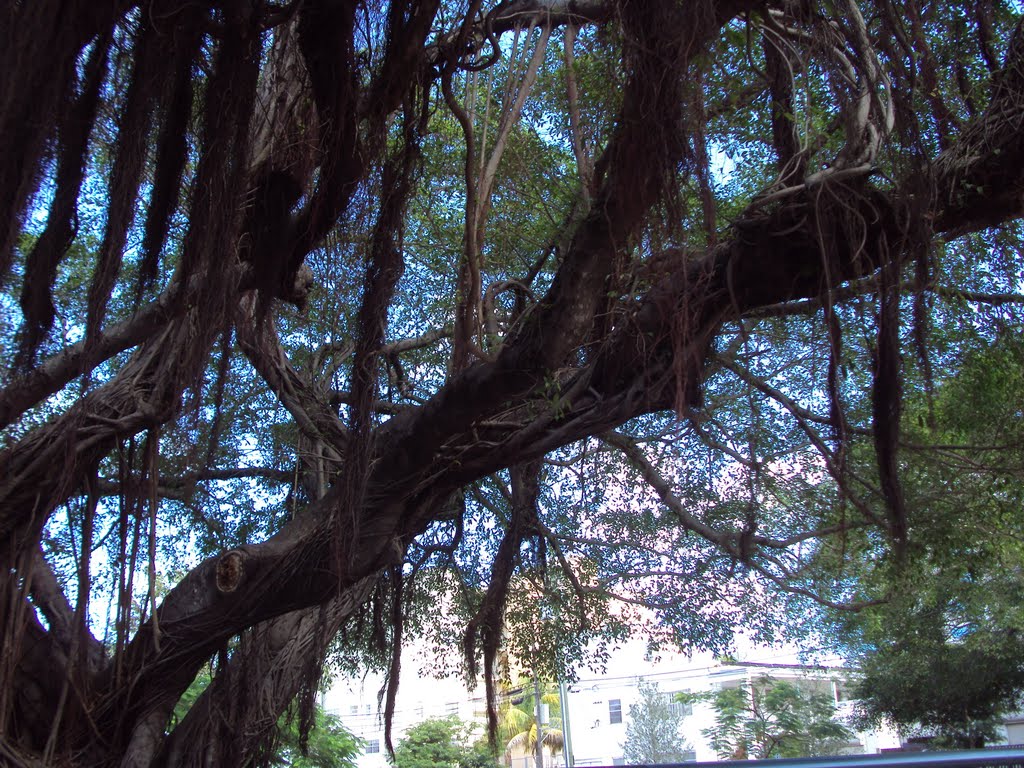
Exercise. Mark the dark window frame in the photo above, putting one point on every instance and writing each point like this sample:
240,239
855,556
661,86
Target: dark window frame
614,711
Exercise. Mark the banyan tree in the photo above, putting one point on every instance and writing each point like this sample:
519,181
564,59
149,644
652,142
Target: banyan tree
318,315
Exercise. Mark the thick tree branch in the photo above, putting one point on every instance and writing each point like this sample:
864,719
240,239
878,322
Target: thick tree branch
52,375
48,596
181,487
258,340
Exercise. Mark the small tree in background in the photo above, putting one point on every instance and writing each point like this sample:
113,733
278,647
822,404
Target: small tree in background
441,742
954,694
773,718
652,733
329,744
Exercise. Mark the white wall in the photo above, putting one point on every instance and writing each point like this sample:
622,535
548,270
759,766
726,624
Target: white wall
420,697
598,741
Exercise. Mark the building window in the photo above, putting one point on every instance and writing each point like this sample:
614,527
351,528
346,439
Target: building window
451,708
614,711
842,693
373,746
689,756
618,761
353,709
679,708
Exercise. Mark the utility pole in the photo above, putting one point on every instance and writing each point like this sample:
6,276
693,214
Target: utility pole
539,751
563,698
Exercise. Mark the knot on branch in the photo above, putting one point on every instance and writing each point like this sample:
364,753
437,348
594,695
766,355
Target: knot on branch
298,292
229,571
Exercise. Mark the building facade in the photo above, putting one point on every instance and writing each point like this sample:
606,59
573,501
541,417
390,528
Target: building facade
599,706
596,708
420,697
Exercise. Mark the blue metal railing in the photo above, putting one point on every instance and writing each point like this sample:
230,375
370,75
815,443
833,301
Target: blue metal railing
1007,757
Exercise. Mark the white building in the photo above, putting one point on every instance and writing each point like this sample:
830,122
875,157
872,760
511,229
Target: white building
596,707
1014,726
420,697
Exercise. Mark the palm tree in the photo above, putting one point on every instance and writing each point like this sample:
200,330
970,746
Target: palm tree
517,725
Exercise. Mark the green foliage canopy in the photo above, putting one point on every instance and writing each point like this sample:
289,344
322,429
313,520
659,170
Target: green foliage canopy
941,655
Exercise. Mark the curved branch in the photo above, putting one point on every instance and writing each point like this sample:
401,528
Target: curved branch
181,487
49,598
56,372
725,540
311,411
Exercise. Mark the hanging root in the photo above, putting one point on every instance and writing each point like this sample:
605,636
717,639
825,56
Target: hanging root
62,220
126,177
395,667
886,405
172,145
486,626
